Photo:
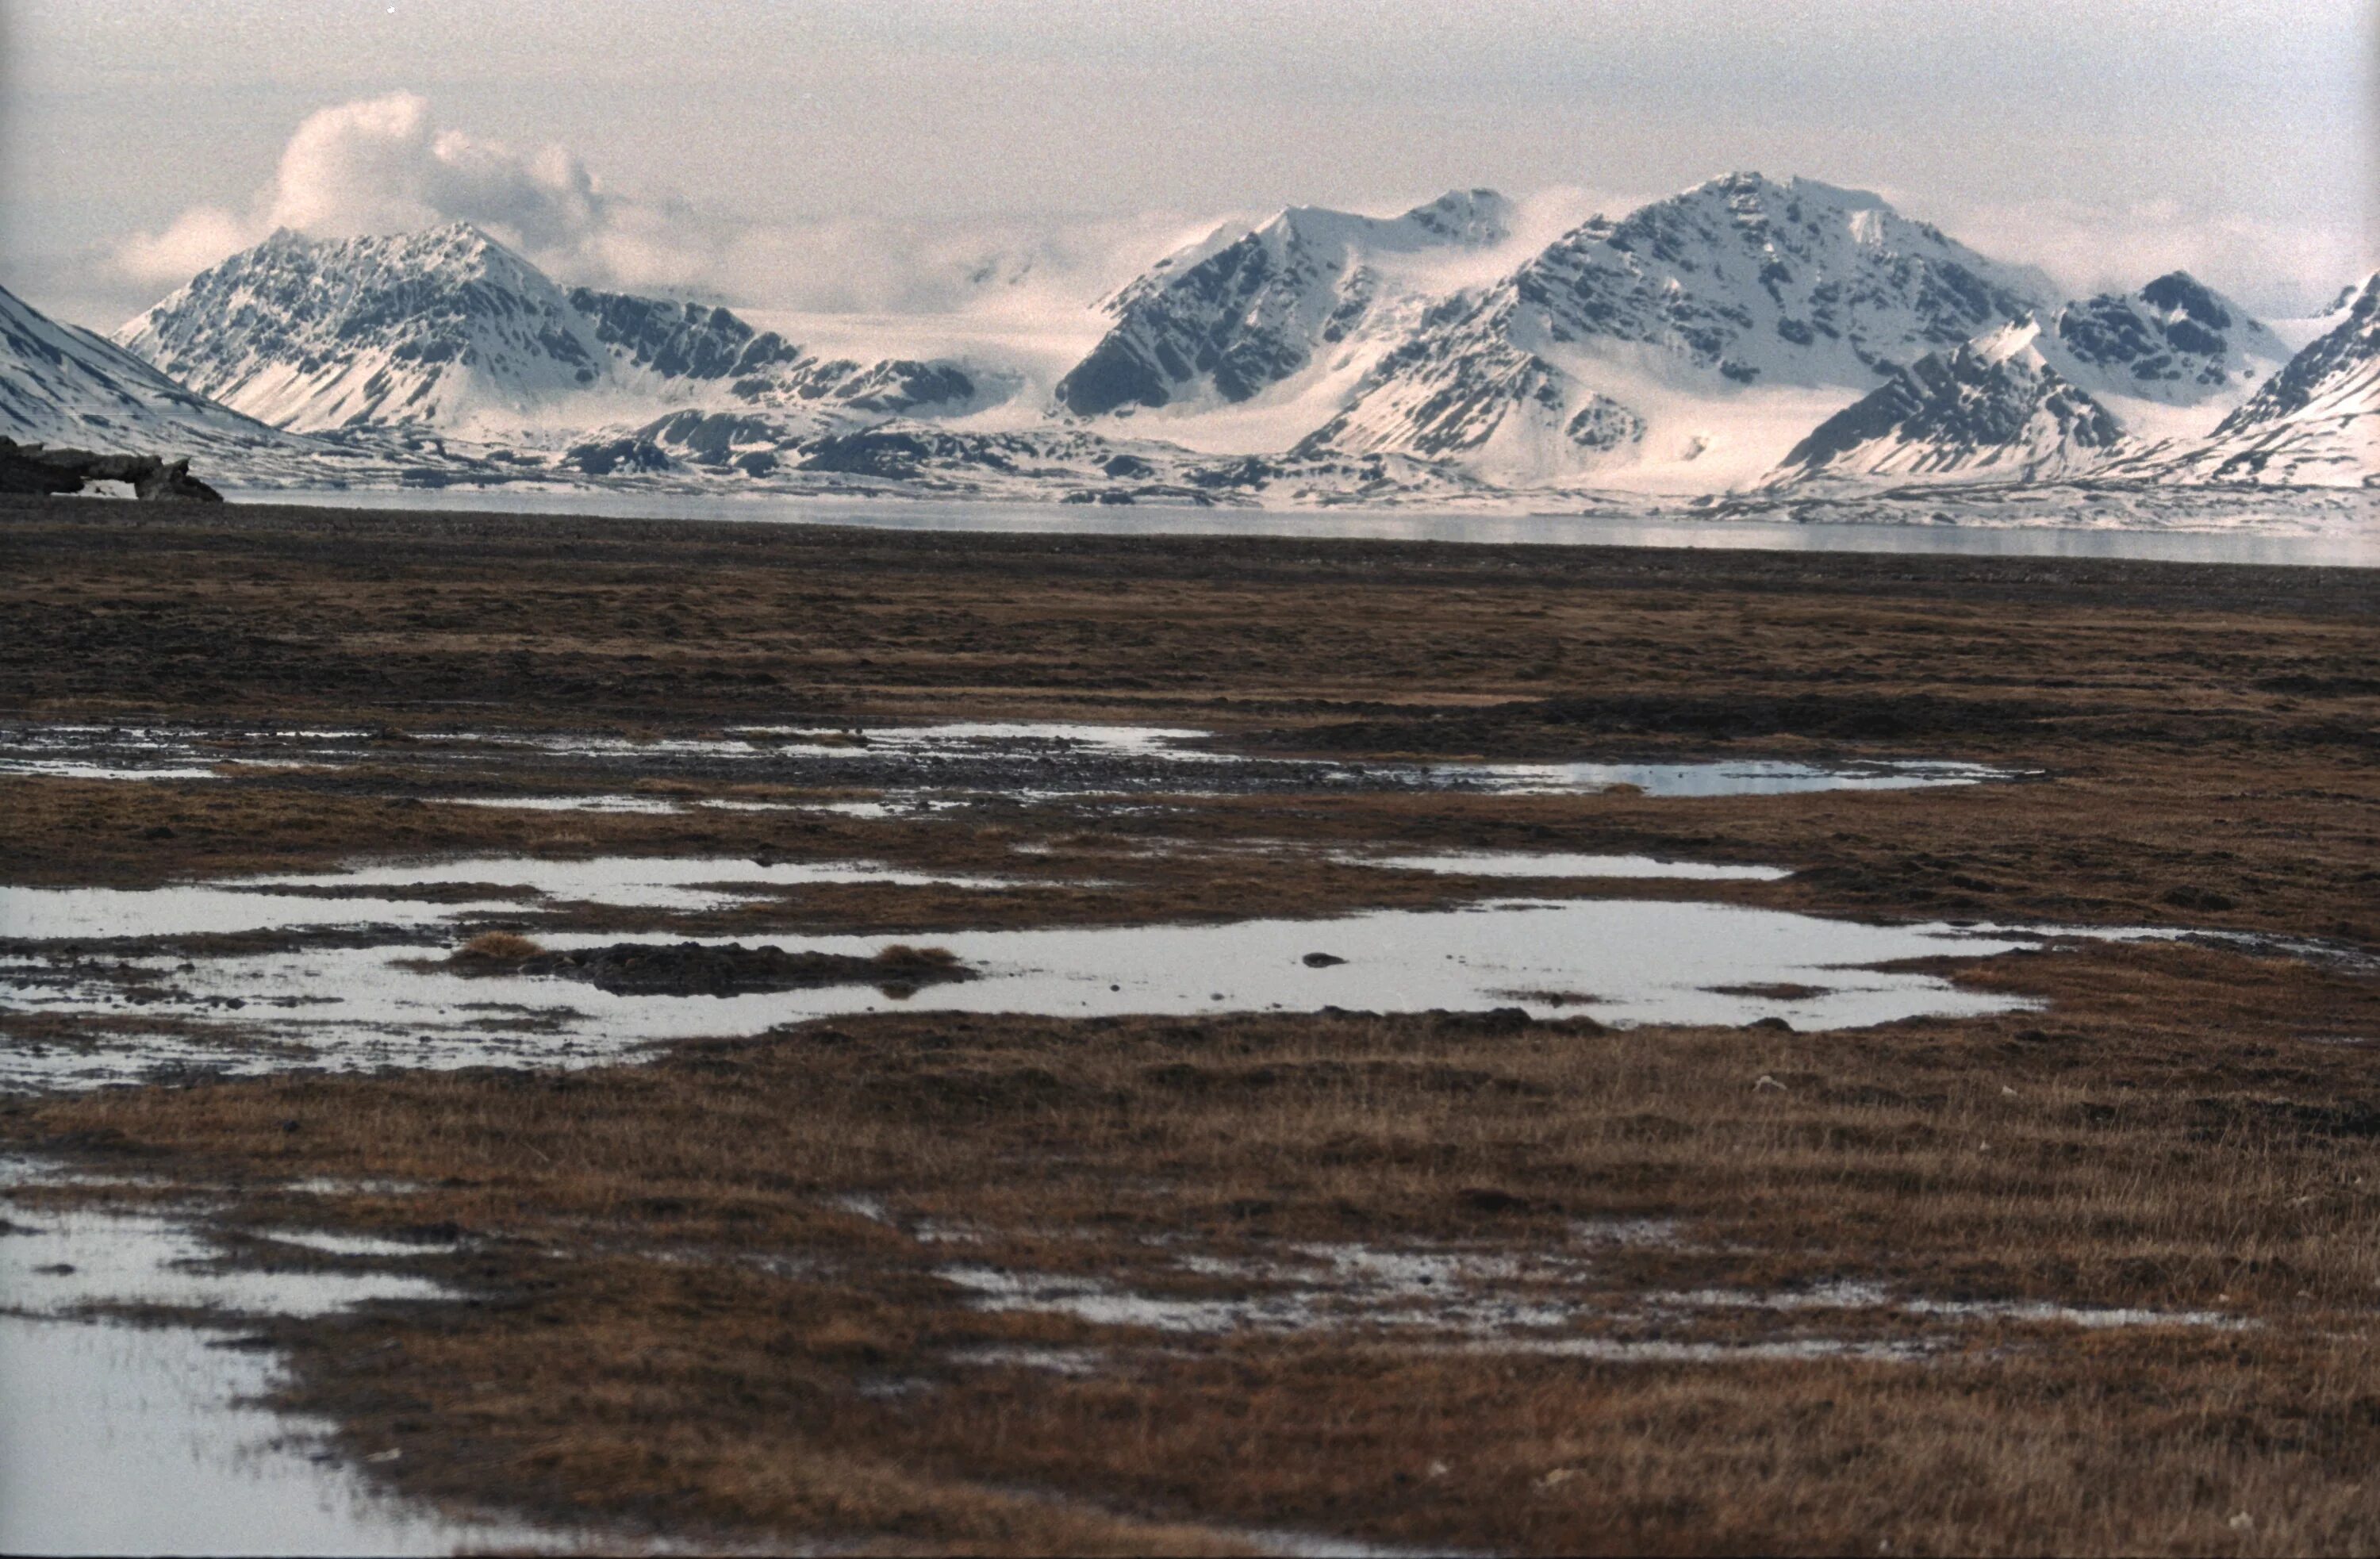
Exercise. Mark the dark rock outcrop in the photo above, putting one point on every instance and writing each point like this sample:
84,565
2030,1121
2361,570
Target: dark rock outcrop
32,468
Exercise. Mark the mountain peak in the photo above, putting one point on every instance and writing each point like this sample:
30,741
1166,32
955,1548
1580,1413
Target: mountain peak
1751,183
1991,405
2016,341
1475,217
2179,291
1233,316
2176,341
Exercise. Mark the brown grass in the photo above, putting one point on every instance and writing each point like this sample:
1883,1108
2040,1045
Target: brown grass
499,947
716,1344
677,1315
900,955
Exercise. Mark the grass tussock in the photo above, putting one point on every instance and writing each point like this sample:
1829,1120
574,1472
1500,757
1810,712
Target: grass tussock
900,955
499,947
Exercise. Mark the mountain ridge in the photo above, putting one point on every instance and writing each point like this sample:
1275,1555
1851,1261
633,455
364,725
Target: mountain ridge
1739,334
448,328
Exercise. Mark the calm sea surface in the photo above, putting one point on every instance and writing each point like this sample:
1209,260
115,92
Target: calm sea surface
2216,546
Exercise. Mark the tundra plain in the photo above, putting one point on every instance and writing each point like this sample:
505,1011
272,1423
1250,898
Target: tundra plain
2094,1275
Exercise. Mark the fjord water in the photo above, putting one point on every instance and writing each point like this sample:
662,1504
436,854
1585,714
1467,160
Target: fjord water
2241,545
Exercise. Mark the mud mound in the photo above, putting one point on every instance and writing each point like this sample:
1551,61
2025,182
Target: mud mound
700,969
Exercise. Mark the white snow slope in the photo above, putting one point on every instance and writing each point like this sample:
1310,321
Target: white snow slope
2316,423
63,385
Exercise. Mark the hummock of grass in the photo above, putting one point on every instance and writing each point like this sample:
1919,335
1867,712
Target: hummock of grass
499,947
900,955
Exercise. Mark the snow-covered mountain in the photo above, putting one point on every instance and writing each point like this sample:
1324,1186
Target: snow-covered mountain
1228,319
62,385
1992,408
2054,395
1693,340
1745,336
2317,422
449,329
2168,360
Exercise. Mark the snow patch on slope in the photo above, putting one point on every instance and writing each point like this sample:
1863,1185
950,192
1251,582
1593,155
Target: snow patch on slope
62,385
1689,344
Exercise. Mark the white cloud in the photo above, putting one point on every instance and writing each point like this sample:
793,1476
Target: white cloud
194,240
2273,268
384,165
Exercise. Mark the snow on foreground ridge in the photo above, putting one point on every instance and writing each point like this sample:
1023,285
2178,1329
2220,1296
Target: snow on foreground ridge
62,385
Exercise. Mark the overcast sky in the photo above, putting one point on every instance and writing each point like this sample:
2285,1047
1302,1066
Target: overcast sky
874,156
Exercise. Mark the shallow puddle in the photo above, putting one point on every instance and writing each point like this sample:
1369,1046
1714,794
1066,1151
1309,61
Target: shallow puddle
1022,761
56,1264
1621,962
147,1440
414,894
162,752
1513,1298
1493,863
648,804
138,1439
1737,777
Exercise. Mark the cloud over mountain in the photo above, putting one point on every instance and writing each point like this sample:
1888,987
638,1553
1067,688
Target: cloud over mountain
383,165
